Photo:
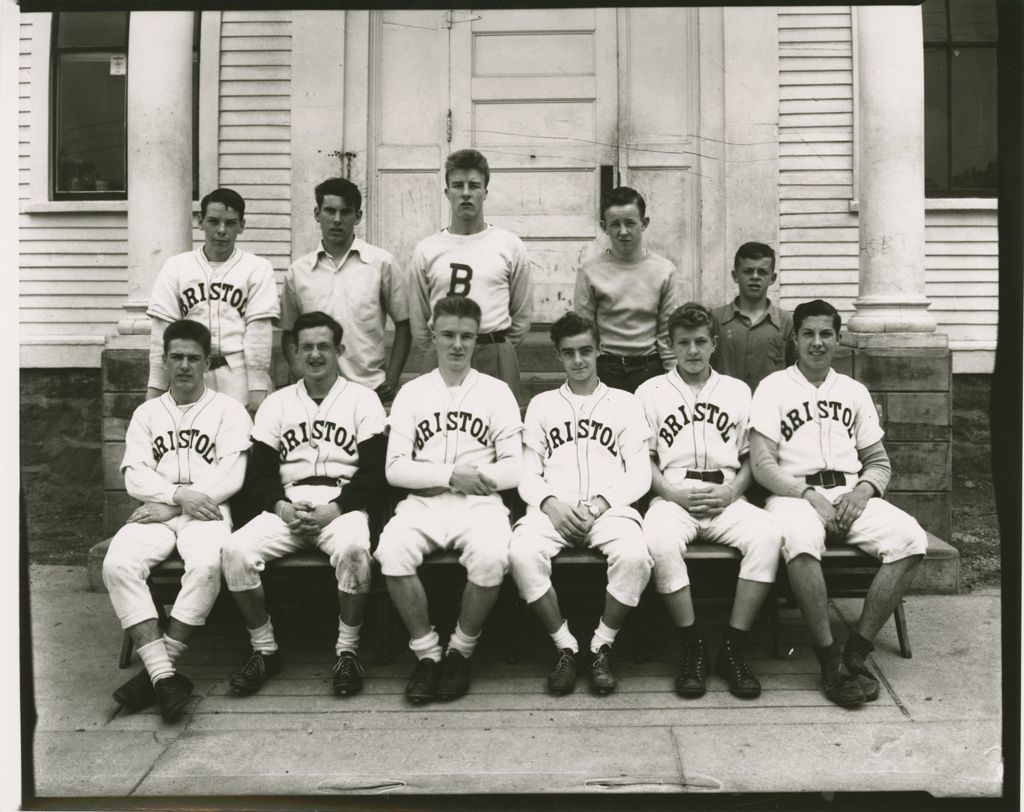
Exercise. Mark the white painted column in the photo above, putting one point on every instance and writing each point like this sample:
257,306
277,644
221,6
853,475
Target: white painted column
890,97
159,152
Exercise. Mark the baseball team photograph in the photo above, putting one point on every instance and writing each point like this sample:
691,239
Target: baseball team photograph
529,437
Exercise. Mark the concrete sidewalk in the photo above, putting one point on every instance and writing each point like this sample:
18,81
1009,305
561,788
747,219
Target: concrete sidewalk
936,726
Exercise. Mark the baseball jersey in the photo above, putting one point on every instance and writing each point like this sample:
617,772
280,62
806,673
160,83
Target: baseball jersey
183,444
583,442
701,431
817,428
491,267
454,426
319,439
225,298
359,289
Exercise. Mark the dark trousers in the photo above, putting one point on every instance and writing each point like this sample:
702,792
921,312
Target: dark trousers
628,375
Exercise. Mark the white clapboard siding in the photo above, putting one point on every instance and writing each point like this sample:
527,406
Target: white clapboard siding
818,235
254,132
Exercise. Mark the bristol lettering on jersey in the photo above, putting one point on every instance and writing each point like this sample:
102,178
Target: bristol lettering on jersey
475,427
326,430
182,440
709,413
214,292
584,429
827,410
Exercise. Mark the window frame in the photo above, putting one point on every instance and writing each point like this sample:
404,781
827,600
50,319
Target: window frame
947,47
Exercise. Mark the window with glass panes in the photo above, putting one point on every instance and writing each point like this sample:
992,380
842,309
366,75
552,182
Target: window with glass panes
960,98
89,132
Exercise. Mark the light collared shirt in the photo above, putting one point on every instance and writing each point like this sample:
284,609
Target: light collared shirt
751,352
359,290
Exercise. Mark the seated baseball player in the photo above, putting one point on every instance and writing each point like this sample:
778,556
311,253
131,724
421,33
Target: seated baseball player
816,445
317,470
585,461
455,441
184,456
699,470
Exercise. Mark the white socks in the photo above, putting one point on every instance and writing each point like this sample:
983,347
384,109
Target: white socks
175,648
262,639
563,638
154,657
603,636
462,642
427,647
348,638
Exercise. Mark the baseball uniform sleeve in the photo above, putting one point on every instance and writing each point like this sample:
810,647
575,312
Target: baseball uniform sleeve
140,477
764,465
224,479
533,488
419,299
636,432
402,470
256,351
740,407
394,285
163,303
867,427
636,480
507,429
157,370
263,478
267,426
290,307
370,416
764,412
262,293
368,486
520,287
646,393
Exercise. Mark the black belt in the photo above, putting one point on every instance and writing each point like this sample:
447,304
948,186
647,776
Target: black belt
630,360
826,479
707,476
218,361
318,480
497,337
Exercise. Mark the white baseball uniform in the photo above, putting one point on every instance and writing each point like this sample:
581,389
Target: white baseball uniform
311,440
201,445
576,448
702,431
492,268
821,428
233,299
434,428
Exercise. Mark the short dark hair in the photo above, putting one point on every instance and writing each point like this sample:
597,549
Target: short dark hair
573,324
816,307
689,316
467,159
343,188
316,318
623,196
754,250
229,197
460,306
188,330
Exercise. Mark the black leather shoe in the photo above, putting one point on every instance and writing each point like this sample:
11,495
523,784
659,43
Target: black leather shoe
853,659
731,666
562,680
348,674
839,686
257,670
602,680
691,681
454,679
172,692
422,685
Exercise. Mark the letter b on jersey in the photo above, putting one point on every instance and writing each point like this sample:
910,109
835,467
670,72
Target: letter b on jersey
461,277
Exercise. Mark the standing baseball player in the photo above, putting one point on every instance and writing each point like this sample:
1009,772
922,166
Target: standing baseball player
585,461
817,447
317,471
184,456
475,259
356,283
628,292
456,440
230,291
755,336
700,469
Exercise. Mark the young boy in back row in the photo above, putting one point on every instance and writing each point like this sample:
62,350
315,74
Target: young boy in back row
628,292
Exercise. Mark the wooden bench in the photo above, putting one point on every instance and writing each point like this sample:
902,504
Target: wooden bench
848,573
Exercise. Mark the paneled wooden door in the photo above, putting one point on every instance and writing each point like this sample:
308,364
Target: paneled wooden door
535,90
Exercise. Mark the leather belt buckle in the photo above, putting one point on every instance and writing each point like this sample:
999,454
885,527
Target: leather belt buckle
706,476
